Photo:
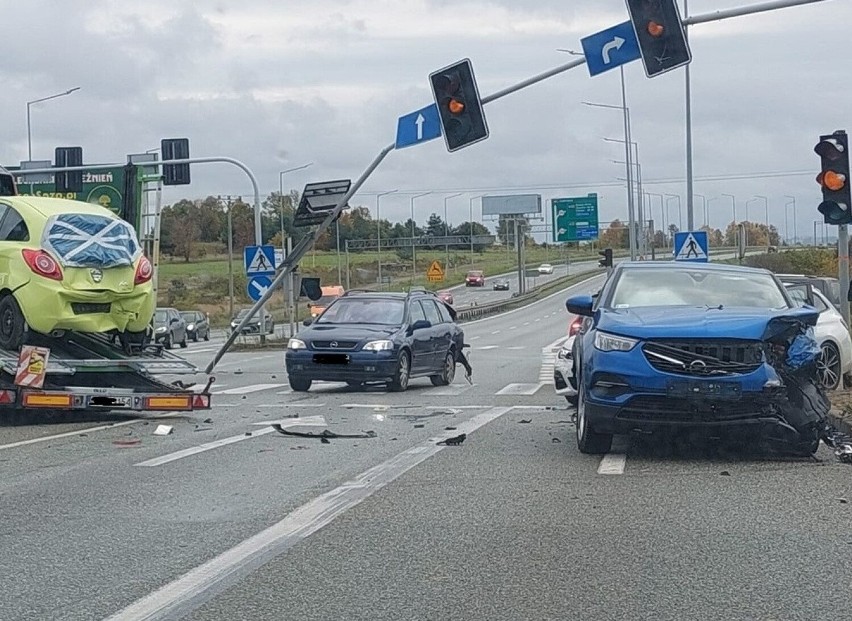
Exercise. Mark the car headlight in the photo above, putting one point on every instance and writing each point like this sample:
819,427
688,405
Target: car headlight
611,342
190,326
296,344
161,329
378,346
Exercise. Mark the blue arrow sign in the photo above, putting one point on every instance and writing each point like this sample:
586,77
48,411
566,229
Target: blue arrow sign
611,48
418,126
257,286
259,260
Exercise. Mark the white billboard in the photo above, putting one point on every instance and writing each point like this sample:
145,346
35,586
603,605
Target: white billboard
514,204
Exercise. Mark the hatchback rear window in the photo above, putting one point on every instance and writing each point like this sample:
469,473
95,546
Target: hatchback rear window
88,240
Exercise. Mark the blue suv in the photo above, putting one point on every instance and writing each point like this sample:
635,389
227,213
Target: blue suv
368,337
703,345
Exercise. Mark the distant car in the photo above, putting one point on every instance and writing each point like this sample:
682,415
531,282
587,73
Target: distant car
446,296
253,326
545,268
474,278
371,337
829,287
197,325
169,327
831,333
70,266
501,284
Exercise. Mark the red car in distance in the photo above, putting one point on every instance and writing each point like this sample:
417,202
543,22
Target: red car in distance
474,278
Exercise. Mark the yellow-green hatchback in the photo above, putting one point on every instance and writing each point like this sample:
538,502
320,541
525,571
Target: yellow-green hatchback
69,265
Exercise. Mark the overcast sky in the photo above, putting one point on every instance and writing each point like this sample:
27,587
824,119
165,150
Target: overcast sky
279,85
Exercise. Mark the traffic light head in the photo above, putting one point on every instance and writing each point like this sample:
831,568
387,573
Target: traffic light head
606,260
175,149
833,150
72,180
459,106
660,33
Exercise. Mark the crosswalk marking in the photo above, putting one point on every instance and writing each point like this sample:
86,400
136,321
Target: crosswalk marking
520,389
453,390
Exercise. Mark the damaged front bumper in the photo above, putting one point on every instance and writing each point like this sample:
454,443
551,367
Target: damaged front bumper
718,385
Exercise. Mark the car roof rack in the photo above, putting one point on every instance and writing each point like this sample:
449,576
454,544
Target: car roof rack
345,293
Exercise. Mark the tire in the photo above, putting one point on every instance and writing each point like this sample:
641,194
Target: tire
195,337
829,366
808,446
167,342
588,441
403,373
299,384
572,399
183,342
207,335
12,323
448,373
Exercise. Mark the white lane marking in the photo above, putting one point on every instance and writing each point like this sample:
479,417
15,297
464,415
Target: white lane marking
201,448
526,323
234,564
245,390
285,392
475,338
495,332
537,320
69,434
520,389
516,348
513,328
486,347
201,351
453,390
612,463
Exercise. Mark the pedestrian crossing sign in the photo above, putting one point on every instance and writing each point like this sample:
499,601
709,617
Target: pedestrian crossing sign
691,246
259,260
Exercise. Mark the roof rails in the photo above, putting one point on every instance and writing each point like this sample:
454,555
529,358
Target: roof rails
345,293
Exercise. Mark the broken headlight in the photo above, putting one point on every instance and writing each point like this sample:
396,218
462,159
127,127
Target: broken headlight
611,342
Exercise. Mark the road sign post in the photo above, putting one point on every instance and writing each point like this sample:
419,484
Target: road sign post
575,218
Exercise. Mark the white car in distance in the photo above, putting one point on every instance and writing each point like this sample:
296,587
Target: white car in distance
545,268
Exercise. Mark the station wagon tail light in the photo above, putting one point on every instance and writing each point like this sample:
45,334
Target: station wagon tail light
144,271
42,263
574,328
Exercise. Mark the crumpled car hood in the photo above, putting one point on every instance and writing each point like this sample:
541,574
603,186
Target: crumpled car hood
348,333
701,322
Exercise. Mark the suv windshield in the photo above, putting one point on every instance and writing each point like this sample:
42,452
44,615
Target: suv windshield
381,311
685,287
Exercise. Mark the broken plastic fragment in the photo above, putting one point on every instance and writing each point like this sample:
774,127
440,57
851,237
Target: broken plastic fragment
163,430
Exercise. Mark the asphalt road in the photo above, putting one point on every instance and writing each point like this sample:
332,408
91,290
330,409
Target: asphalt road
210,523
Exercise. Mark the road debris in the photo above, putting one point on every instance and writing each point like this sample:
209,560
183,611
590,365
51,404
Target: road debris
419,426
455,440
127,442
163,430
724,473
207,421
325,433
556,440
450,428
525,421
325,441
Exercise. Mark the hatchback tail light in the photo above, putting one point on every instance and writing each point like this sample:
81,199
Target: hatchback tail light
42,263
144,271
574,328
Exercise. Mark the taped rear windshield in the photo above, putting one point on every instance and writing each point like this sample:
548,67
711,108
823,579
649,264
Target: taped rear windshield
86,240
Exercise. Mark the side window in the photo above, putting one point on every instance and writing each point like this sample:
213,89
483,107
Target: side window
433,316
415,312
445,313
819,304
13,227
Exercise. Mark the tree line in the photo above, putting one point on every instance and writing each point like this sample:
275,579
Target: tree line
187,225
757,234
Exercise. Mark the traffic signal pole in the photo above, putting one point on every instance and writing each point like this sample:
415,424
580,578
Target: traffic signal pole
293,259
843,269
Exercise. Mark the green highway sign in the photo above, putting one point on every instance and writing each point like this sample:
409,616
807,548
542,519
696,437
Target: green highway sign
575,218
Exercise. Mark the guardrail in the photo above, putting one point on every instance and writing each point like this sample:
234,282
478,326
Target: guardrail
482,310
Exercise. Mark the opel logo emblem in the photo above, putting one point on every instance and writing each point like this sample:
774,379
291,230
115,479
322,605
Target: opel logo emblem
334,343
97,275
697,366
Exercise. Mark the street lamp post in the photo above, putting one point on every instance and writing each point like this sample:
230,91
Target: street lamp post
446,226
413,235
703,202
379,237
766,215
679,212
281,195
733,206
639,191
795,230
470,229
29,127
288,284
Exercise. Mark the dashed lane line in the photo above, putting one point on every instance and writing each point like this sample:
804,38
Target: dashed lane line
612,463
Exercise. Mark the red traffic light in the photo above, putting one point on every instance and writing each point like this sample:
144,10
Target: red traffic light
655,29
455,106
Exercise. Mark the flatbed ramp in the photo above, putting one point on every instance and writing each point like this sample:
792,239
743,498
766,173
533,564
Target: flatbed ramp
90,372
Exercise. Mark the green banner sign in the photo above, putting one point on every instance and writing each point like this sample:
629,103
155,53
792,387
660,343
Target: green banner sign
575,218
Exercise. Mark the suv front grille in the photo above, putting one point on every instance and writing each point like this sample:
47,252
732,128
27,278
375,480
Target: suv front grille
712,357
